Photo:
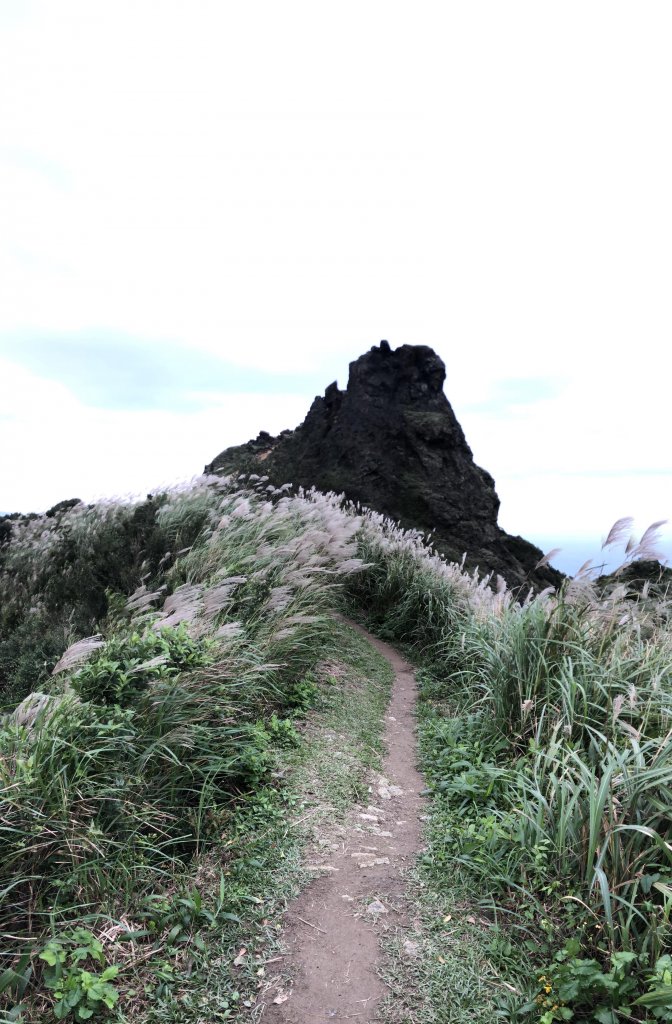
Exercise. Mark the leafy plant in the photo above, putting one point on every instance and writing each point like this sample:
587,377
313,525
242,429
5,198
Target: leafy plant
658,999
282,732
302,694
78,990
577,988
14,982
128,664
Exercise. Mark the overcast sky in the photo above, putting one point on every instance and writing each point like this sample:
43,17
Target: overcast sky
207,209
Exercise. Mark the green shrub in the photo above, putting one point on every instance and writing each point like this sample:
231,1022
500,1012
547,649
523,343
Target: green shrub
127,665
580,989
79,991
28,654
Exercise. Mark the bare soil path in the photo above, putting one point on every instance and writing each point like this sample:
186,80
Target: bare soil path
332,927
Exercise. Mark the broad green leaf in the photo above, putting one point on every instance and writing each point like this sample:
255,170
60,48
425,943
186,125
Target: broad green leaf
660,998
15,1013
61,1009
604,1015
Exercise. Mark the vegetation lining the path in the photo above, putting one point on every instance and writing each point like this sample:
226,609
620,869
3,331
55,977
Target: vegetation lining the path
546,738
155,745
144,802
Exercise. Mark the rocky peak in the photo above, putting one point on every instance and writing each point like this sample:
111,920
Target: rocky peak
392,441
411,373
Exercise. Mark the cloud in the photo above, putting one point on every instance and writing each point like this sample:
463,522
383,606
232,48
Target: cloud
106,370
52,446
582,506
241,198
507,393
35,163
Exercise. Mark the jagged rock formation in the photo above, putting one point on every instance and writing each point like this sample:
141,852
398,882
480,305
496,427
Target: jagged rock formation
392,442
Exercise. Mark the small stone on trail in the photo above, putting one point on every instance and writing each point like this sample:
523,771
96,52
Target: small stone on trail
411,948
368,817
386,790
374,861
374,810
320,867
376,908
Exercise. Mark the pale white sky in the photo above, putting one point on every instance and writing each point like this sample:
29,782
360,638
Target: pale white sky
207,209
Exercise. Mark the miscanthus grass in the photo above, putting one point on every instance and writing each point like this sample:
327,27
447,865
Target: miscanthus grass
127,759
151,654
546,735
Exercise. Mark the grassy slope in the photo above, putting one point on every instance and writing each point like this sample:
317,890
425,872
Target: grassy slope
545,736
206,940
152,798
135,764
222,979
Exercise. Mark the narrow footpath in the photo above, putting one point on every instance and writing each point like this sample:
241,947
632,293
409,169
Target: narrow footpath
332,929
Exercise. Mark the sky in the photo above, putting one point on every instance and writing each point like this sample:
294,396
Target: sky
208,209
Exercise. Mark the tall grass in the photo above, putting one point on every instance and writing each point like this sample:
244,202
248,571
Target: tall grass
546,723
547,739
125,765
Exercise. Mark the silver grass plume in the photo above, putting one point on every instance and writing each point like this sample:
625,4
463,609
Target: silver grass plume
619,531
650,537
547,557
229,630
647,548
78,652
217,598
157,662
30,707
182,606
142,598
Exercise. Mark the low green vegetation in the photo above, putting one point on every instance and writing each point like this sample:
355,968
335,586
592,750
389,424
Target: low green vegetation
159,662
153,750
546,741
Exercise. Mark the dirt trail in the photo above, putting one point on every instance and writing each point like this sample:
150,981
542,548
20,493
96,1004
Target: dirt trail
331,928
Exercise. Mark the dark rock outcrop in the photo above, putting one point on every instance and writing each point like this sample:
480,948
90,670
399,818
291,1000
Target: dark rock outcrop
643,575
62,506
392,442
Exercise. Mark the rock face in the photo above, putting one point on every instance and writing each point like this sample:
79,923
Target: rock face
641,574
392,442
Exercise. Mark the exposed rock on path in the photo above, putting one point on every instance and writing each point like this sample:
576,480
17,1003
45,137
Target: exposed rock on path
332,927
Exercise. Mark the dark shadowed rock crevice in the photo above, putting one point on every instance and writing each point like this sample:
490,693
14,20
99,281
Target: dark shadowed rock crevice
392,442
